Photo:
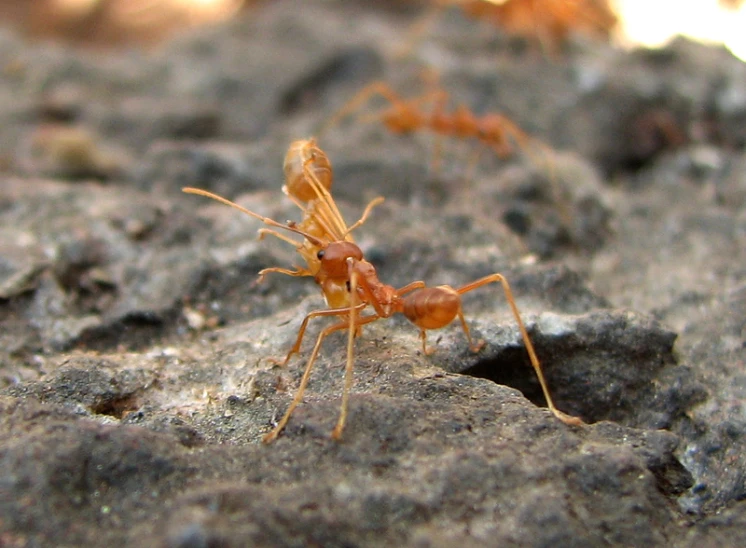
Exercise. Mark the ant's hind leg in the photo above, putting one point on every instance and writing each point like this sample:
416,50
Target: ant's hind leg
425,350
473,346
564,417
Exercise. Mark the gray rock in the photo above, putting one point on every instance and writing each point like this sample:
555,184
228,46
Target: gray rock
135,341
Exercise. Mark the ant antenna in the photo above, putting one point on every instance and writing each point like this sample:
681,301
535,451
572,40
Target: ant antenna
290,226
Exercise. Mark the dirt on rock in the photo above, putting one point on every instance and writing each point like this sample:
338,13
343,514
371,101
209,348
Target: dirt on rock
136,383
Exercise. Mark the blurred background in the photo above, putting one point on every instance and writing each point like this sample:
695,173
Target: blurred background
115,23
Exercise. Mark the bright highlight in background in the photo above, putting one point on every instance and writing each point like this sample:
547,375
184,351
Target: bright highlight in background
134,12
654,22
649,23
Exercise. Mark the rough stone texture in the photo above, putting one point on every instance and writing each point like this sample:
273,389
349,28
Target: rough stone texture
134,341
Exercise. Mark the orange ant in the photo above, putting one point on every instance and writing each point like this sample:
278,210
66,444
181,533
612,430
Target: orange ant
350,284
548,22
403,116
308,181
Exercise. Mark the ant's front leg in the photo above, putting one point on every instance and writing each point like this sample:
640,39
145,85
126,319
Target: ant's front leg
304,325
299,271
271,436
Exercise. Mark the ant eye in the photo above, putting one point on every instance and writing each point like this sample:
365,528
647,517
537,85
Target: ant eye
320,254
347,283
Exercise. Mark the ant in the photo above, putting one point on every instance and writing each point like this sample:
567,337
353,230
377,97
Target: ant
308,181
404,116
546,22
350,284
549,22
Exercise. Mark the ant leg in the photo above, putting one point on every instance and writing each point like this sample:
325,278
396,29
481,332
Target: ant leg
419,284
471,167
297,272
402,116
564,417
303,206
378,87
497,131
331,218
423,337
474,347
265,220
423,333
373,203
271,436
352,329
502,146
310,208
438,125
302,330
354,326
419,28
265,231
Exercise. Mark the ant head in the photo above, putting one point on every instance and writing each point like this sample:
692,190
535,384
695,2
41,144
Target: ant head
334,258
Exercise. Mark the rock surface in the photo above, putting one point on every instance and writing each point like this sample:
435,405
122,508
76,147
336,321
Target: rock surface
136,384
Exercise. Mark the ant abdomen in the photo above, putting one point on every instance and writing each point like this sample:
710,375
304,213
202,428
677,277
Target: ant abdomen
432,307
305,155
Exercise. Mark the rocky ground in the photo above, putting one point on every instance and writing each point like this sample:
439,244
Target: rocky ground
136,384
